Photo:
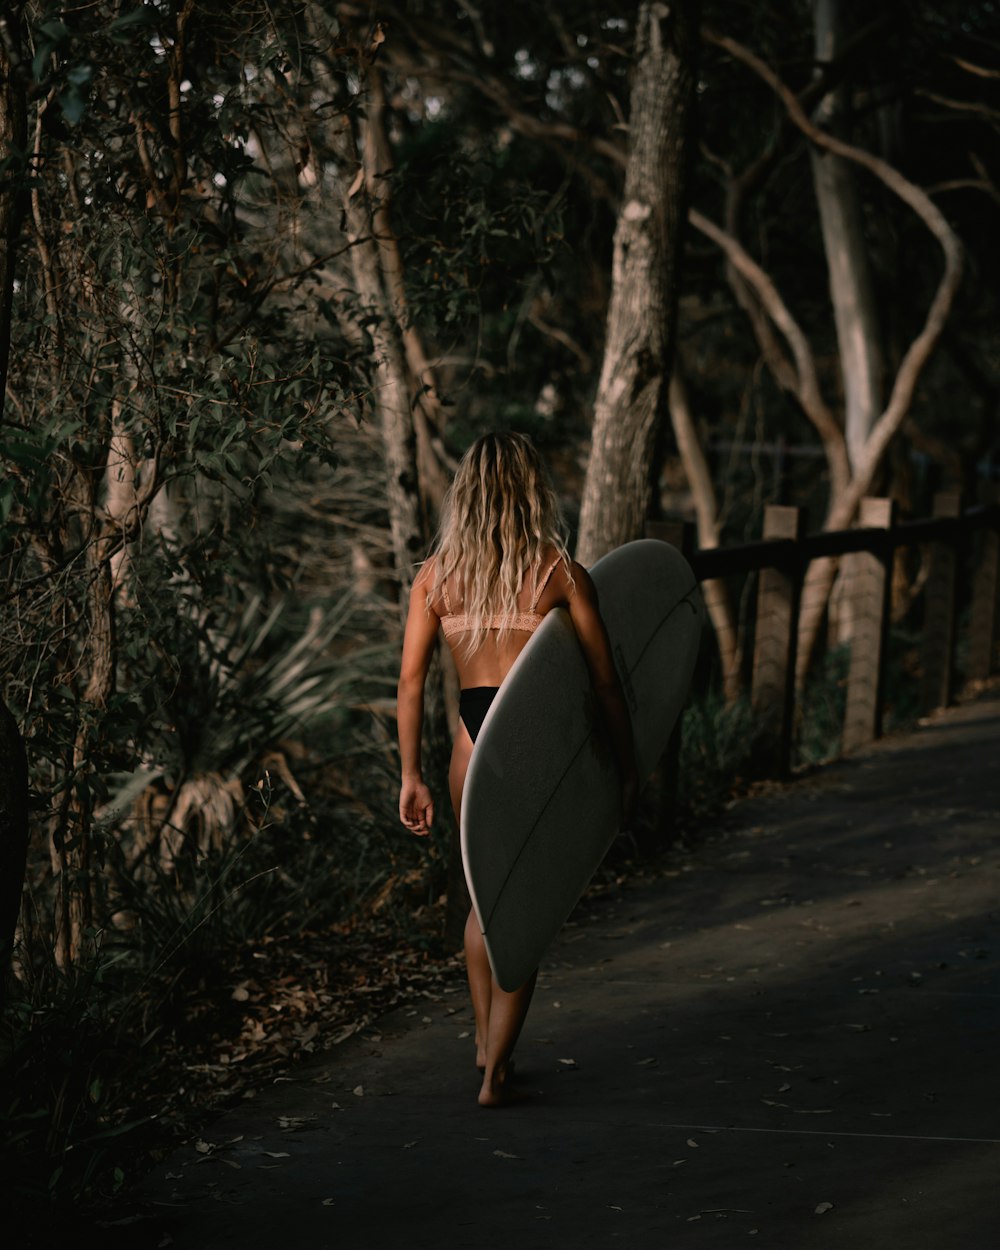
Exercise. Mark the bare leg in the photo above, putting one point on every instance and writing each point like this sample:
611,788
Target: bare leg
477,964
507,1013
499,1014
477,967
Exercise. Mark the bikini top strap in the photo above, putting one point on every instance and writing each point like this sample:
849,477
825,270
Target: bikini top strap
542,583
446,597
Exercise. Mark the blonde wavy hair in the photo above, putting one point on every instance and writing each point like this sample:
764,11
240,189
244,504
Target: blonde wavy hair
499,516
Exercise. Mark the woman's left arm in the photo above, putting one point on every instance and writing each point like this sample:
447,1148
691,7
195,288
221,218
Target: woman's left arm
585,613
416,804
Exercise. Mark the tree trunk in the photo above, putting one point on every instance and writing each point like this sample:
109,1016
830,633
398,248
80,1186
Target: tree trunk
427,412
13,761
852,290
699,478
72,837
13,835
632,391
13,149
391,390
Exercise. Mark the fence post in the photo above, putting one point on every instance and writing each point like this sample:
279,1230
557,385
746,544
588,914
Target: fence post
772,688
872,583
940,607
984,618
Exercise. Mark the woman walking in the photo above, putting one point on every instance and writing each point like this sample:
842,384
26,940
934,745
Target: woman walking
499,565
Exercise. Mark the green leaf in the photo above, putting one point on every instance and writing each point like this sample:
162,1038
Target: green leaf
73,105
56,32
121,28
7,496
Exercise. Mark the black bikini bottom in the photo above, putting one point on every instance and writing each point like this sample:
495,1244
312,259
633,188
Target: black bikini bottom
473,704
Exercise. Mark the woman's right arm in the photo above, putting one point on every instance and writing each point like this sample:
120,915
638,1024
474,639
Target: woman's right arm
416,804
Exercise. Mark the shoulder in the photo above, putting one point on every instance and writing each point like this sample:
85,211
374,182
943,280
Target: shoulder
567,580
571,575
580,583
423,589
425,577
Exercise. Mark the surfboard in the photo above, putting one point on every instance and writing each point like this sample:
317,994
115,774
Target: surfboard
541,803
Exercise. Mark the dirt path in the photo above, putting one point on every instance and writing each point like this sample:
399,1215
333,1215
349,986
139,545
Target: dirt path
792,1039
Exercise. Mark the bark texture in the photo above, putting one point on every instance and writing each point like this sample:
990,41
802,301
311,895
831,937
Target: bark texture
13,149
426,409
852,291
632,391
13,835
13,762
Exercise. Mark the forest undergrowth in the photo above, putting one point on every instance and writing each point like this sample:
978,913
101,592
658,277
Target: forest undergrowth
278,955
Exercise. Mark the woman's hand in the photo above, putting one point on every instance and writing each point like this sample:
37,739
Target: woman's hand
416,807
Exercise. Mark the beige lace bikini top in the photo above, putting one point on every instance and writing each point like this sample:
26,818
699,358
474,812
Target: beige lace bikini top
457,623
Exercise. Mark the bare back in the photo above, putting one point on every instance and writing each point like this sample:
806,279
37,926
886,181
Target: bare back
490,663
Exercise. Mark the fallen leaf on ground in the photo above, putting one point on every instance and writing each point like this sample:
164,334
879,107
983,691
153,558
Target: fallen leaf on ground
823,1207
502,1154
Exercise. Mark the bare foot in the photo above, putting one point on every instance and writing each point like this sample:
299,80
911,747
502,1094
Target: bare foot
480,1056
494,1092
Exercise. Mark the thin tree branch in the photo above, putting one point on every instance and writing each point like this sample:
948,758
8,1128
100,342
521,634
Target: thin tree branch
920,348
979,70
803,381
959,106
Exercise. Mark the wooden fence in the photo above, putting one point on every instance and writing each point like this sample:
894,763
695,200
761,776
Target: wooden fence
963,567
